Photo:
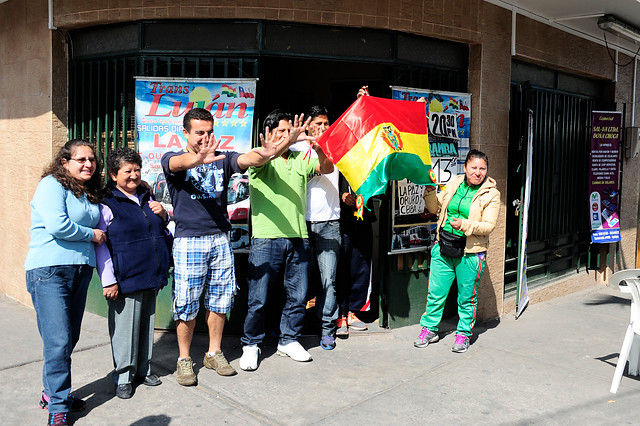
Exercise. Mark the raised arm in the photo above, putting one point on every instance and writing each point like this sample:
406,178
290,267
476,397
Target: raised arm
204,154
432,202
324,165
270,148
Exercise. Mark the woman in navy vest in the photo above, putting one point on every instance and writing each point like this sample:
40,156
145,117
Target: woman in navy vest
133,266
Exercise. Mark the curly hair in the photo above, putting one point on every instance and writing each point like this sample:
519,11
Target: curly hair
92,187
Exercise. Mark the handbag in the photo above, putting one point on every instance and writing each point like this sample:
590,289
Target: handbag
451,245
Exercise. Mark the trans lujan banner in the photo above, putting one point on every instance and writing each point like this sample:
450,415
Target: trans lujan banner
161,104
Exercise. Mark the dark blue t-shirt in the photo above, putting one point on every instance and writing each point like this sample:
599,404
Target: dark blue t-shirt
199,195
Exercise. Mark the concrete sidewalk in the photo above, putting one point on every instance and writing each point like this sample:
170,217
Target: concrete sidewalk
552,366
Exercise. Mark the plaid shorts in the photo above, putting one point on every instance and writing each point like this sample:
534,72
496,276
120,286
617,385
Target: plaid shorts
202,263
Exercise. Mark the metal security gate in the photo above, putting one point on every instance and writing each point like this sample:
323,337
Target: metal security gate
102,91
558,239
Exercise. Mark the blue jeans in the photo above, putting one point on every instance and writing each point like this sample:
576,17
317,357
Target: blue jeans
269,260
325,240
59,294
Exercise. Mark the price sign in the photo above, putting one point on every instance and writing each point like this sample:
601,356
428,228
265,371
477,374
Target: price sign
445,169
442,124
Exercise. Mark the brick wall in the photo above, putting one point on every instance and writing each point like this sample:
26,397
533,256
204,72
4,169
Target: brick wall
456,20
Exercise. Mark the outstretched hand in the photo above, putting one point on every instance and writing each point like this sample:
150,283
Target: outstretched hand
298,127
364,91
317,131
314,135
206,153
270,143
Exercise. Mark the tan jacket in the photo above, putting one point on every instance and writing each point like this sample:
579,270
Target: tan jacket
483,213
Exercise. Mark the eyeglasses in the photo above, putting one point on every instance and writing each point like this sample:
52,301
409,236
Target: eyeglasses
84,160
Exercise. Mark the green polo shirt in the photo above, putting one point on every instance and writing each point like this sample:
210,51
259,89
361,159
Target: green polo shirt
278,191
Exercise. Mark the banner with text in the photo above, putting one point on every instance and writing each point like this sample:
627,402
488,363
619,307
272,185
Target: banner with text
606,131
449,123
161,104
160,107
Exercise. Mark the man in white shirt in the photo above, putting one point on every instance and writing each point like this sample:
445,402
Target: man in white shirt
323,224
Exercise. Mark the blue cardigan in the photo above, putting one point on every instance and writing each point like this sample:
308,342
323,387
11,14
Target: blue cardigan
61,227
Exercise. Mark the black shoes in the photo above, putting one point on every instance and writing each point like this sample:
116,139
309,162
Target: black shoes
124,391
150,380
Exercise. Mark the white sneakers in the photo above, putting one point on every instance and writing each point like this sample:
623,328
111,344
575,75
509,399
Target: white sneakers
249,358
295,351
250,353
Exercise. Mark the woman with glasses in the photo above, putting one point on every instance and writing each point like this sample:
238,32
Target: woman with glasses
59,265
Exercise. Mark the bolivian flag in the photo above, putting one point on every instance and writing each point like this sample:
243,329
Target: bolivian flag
377,140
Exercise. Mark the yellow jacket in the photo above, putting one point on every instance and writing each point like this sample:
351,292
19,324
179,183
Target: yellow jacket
483,213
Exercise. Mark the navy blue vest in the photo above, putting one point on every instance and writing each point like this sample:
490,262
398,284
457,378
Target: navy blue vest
136,241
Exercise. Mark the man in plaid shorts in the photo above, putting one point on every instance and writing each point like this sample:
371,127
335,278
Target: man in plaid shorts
198,178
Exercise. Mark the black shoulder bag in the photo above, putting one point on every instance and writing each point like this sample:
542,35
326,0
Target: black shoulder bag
451,245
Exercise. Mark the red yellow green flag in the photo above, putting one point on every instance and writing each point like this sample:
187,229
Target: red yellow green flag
377,140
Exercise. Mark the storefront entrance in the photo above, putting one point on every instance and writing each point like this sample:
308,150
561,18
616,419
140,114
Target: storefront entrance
558,242
296,66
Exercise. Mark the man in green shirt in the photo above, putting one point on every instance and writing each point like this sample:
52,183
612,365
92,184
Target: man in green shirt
279,245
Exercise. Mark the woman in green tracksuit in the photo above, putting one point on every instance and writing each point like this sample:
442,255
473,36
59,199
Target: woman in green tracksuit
468,207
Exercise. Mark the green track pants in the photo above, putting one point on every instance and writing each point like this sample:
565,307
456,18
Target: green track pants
443,270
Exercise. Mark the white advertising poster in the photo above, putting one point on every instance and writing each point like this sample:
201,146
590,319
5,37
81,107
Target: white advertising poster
523,291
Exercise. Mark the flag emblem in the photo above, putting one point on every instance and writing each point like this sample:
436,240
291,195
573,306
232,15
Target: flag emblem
377,140
391,137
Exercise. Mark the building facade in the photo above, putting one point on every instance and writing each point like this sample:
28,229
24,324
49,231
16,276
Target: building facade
66,69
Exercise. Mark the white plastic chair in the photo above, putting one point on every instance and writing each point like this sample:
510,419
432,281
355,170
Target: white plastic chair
628,281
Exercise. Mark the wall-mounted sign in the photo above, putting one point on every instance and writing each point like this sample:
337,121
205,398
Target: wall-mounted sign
604,169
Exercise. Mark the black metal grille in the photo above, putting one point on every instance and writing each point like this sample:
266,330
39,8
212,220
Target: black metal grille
102,95
558,238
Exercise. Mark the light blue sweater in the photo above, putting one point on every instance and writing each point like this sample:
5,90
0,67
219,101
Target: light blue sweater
61,227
